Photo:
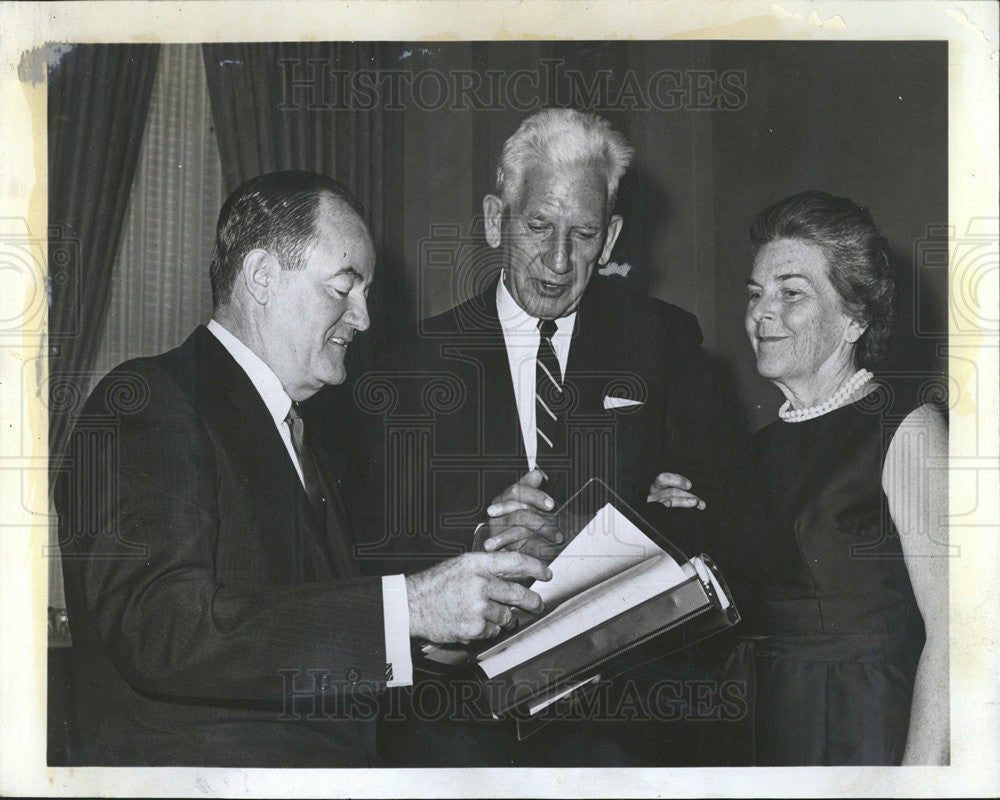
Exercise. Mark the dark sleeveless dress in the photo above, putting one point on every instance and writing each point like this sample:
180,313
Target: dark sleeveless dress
831,633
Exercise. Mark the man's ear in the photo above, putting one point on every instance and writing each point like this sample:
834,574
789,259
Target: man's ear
260,272
855,330
493,213
614,228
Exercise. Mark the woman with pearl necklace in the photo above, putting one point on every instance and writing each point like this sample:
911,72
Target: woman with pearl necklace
837,553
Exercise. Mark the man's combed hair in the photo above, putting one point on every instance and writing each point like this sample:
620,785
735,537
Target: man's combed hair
857,257
276,212
562,137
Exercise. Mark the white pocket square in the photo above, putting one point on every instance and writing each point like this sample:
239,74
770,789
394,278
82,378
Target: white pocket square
620,402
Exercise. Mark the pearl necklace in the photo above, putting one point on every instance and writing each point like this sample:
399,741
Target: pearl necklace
840,398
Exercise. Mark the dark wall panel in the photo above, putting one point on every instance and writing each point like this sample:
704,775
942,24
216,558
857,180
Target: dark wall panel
863,120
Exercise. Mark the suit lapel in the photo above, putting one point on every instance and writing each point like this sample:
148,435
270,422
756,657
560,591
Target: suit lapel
605,358
338,540
319,542
499,420
592,353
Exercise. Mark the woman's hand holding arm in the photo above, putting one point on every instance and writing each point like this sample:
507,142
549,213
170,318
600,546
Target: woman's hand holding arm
673,491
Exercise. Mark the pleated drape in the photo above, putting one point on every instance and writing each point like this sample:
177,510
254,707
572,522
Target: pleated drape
276,107
160,287
98,99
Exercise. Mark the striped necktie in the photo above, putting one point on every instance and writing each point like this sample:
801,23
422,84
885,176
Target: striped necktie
550,422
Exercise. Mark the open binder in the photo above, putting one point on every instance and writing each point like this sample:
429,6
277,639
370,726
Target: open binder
615,586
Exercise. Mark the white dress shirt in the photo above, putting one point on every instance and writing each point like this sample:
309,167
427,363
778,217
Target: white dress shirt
521,337
395,608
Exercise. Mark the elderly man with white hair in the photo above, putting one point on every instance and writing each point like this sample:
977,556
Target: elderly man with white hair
565,375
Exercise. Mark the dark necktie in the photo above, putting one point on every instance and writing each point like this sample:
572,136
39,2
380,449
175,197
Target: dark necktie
315,486
324,500
550,422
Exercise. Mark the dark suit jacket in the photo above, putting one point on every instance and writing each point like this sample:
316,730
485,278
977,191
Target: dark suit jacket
211,612
444,436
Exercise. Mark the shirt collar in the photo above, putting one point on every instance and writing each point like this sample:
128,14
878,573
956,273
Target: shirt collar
515,320
266,383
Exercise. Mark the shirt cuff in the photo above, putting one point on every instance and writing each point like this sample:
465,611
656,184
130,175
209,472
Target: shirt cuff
396,620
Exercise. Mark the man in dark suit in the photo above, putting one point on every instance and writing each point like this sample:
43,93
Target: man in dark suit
217,612
552,369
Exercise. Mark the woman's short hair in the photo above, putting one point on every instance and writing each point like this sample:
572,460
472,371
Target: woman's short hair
857,257
562,137
276,211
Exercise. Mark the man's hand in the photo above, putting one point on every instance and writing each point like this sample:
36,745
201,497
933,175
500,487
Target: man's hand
522,518
673,491
470,597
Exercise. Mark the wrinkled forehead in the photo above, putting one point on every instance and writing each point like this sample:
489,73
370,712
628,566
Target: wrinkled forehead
783,253
794,259
581,184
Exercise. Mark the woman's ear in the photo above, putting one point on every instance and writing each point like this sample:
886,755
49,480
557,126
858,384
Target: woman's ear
855,330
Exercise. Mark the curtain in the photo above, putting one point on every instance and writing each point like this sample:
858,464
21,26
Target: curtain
158,285
160,288
277,107
97,105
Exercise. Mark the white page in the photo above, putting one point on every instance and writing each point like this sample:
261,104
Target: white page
592,607
606,545
609,545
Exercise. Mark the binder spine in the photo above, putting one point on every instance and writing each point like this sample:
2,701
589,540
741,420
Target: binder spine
588,652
